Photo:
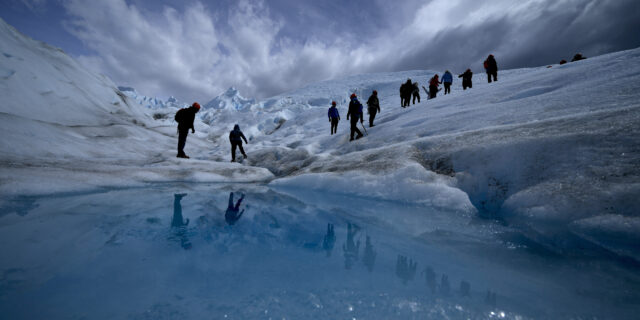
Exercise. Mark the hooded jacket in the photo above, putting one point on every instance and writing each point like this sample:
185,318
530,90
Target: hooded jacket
333,113
373,103
236,135
447,77
355,109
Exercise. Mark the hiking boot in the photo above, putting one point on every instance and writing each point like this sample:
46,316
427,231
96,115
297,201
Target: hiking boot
233,160
351,139
359,136
244,155
183,156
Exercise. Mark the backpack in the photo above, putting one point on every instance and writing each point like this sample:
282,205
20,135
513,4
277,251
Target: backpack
179,115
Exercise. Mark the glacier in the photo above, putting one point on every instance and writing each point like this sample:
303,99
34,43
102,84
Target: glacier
527,187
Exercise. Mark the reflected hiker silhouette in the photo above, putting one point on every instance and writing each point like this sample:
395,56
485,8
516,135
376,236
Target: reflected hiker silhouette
329,240
465,288
178,223
350,247
445,287
233,213
369,258
430,278
405,268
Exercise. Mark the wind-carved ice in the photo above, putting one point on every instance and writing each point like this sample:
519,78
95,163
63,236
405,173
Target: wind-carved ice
244,252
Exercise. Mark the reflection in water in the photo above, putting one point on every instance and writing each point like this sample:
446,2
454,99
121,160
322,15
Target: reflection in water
465,289
20,205
329,240
430,278
445,288
369,258
405,268
233,213
178,224
262,263
350,247
490,298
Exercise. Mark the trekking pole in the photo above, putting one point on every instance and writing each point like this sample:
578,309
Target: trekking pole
365,129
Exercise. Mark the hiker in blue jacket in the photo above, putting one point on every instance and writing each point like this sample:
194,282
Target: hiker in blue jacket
447,79
334,117
355,111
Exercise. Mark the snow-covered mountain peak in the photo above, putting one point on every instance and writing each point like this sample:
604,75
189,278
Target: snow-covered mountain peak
230,100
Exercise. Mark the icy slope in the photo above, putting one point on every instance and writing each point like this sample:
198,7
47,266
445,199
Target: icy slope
554,151
66,129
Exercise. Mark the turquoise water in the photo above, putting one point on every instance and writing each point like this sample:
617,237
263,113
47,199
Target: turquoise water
191,252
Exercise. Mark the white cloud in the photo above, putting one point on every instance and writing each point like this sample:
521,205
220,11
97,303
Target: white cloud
185,54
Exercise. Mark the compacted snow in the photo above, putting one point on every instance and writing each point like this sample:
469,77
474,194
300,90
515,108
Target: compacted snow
539,171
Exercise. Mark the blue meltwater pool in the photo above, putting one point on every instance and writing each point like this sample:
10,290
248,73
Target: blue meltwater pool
177,251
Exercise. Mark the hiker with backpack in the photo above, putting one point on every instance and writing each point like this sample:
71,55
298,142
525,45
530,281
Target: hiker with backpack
355,112
447,79
416,92
235,137
334,117
433,86
405,93
374,107
491,67
578,57
466,79
185,117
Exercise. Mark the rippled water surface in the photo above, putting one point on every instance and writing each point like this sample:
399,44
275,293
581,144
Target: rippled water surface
250,252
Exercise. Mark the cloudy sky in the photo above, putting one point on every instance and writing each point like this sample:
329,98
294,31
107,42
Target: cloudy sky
194,50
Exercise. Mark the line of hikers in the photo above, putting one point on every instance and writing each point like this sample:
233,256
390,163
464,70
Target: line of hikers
407,91
355,112
185,117
412,89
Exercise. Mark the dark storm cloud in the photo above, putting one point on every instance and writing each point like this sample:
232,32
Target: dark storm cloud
547,36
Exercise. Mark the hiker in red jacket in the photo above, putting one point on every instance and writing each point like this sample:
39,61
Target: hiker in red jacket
433,86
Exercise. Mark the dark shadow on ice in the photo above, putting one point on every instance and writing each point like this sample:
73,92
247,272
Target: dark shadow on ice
350,247
233,213
178,223
369,257
329,240
405,268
